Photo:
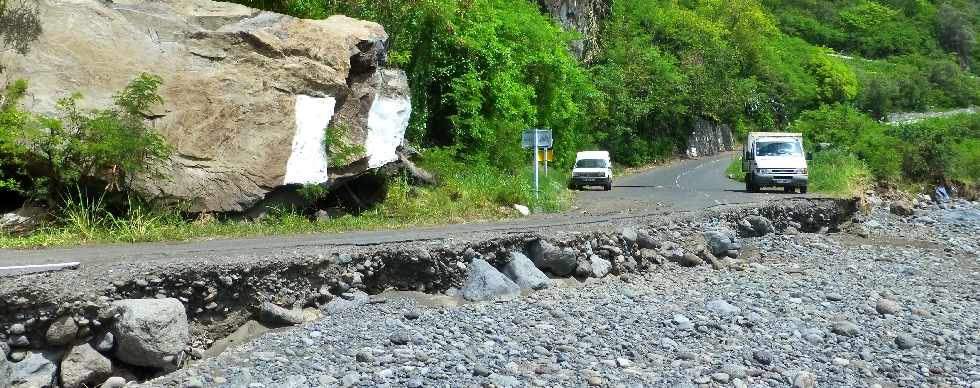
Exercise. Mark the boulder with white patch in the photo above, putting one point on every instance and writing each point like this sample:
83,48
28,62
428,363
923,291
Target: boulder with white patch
247,95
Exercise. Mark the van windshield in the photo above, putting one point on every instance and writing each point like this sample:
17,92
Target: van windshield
777,148
590,163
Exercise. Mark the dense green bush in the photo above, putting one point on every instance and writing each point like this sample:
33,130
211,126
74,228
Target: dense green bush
45,156
924,151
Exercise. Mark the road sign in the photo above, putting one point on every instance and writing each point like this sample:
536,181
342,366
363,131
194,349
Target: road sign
545,140
546,155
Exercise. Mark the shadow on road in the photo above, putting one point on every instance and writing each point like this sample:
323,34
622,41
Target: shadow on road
761,191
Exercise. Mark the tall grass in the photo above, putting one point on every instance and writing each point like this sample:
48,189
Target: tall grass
467,193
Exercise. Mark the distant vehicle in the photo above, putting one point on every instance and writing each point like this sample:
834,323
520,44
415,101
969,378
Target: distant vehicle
592,168
775,159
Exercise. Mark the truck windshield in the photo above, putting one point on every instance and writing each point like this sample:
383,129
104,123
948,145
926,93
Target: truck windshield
777,148
590,163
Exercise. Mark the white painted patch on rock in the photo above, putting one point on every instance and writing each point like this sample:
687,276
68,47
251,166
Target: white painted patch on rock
308,160
387,122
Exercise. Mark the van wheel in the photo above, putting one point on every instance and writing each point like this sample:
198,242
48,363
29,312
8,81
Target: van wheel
789,189
607,187
802,189
749,187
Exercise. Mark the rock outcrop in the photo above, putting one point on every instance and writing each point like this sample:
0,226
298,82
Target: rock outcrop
246,94
585,17
709,138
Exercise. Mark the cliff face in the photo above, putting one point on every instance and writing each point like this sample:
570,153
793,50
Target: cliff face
582,16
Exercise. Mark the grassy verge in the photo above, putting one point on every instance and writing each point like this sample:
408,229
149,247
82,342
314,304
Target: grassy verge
467,193
831,172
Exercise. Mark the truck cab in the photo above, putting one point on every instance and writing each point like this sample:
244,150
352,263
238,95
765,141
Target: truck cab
592,168
775,159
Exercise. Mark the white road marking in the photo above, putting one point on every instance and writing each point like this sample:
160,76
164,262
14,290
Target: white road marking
40,267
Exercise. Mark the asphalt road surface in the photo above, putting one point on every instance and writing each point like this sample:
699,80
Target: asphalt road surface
685,185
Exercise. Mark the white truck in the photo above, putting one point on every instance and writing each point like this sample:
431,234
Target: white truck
775,159
592,168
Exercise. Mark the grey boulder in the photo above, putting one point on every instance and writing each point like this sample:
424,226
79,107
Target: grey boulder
150,332
720,242
62,331
548,257
522,271
600,266
484,282
36,370
84,367
273,314
756,226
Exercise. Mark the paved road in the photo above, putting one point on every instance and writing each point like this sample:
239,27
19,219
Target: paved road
685,185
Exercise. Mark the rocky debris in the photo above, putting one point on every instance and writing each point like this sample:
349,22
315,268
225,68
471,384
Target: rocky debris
547,257
246,94
522,271
270,313
845,328
722,243
23,221
522,210
36,369
150,332
687,260
583,269
887,307
789,295
755,226
905,341
105,342
902,208
484,282
600,267
62,331
83,366
5,369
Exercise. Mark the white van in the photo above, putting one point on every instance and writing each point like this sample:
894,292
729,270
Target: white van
592,168
775,159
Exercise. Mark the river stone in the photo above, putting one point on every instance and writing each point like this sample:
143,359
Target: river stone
272,314
756,226
62,331
721,307
484,282
902,208
150,332
84,367
718,242
522,271
600,266
584,268
36,370
548,257
246,94
887,307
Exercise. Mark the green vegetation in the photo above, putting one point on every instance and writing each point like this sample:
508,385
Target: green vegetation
481,71
79,147
466,195
339,152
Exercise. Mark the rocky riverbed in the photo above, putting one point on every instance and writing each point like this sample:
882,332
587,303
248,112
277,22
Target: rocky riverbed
891,301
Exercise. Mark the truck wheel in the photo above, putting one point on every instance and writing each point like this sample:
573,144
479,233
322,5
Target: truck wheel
789,189
607,187
802,189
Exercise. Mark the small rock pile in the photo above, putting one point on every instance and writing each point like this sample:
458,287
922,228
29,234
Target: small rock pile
135,334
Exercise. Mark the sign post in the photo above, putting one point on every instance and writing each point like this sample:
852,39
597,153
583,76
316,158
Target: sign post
537,139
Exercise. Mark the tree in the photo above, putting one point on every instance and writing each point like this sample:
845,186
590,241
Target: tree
956,34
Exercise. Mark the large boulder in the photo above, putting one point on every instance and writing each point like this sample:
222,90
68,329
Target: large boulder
150,332
36,370
522,271
484,282
246,94
548,257
83,366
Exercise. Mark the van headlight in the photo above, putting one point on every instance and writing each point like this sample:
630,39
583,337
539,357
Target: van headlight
803,171
762,171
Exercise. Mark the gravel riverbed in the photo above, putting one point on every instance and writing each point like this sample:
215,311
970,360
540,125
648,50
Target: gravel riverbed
899,307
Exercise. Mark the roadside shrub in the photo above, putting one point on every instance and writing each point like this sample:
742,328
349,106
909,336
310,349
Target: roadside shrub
108,145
